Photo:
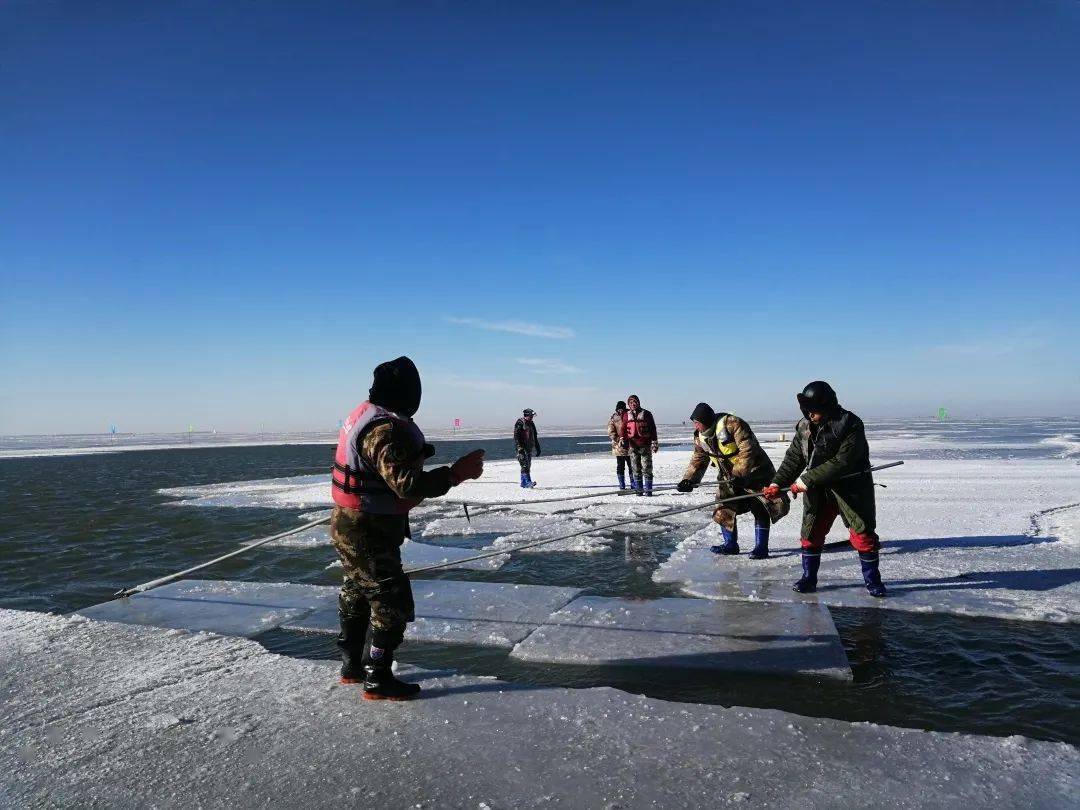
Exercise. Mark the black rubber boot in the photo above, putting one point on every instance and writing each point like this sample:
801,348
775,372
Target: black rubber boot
351,642
379,680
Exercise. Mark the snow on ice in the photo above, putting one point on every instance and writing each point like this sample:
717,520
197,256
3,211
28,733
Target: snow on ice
97,712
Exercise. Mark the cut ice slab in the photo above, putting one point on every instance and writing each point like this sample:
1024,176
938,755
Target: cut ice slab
229,608
691,634
485,614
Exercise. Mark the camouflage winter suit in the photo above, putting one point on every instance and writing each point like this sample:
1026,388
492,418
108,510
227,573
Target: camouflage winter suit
370,544
749,462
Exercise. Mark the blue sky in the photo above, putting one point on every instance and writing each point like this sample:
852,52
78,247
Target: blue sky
226,213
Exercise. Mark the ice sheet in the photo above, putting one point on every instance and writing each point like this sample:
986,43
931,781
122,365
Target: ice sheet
692,634
138,717
229,608
485,614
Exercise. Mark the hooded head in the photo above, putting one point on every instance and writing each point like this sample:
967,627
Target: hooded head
634,402
620,406
704,414
396,386
528,413
817,397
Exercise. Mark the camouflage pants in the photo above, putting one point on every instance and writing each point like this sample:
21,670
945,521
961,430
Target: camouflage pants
641,463
763,510
524,458
370,551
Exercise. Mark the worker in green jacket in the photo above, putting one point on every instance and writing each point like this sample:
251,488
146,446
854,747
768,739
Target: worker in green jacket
829,444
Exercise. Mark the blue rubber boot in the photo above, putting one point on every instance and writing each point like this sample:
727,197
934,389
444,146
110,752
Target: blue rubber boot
622,482
811,561
870,574
526,481
731,542
761,541
648,487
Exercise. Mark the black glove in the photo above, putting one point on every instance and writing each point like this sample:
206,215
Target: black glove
738,482
538,450
429,450
685,485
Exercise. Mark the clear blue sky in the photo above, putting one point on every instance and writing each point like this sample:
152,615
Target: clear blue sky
225,213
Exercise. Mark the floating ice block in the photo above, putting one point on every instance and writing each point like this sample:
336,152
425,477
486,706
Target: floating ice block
691,634
487,614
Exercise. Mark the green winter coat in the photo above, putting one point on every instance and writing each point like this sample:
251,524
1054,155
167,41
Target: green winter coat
822,454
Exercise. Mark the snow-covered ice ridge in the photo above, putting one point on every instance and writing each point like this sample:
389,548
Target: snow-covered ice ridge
978,537
104,714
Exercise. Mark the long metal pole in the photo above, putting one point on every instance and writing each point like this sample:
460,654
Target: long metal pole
594,529
154,583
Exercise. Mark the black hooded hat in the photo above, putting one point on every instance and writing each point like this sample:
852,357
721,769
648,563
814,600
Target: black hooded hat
817,397
620,406
396,386
704,414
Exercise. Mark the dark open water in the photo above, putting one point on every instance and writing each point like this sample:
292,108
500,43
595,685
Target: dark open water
74,529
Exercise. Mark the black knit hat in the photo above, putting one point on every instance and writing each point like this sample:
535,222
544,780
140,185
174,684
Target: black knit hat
703,413
620,406
396,386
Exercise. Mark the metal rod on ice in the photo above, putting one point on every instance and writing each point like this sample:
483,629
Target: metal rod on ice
154,583
604,527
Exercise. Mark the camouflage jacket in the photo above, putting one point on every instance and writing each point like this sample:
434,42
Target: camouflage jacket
749,462
401,466
616,431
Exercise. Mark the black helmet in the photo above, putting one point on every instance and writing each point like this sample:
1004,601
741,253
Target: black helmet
817,397
528,412
703,413
396,386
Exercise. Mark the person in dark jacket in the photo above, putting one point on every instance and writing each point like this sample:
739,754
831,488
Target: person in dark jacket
829,445
527,443
726,442
641,441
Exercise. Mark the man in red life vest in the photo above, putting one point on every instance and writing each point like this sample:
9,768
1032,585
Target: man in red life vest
378,476
642,442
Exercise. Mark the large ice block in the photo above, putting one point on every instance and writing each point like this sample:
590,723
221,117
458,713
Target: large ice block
229,608
691,634
487,614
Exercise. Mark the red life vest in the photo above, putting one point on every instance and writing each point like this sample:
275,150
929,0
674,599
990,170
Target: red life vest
355,482
638,429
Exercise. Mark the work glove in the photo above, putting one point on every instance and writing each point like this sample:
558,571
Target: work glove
772,492
686,485
655,446
467,467
429,450
797,487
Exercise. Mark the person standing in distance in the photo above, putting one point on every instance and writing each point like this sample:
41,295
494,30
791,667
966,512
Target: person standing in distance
378,476
526,442
642,441
616,431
